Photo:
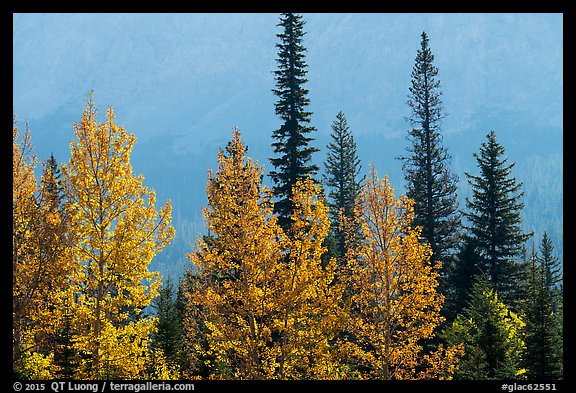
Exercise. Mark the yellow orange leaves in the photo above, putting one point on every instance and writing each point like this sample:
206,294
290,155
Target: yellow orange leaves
119,231
393,294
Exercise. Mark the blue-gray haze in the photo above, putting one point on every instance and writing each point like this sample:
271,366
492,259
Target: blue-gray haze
182,82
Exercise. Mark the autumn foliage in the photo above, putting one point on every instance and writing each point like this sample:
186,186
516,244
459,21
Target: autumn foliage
81,277
262,304
230,293
259,301
393,301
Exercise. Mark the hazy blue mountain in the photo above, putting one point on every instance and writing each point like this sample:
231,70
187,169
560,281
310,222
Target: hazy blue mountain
182,82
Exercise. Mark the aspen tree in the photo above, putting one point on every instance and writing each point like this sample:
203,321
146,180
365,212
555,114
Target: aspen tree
394,303
24,263
259,302
309,314
229,295
41,267
119,230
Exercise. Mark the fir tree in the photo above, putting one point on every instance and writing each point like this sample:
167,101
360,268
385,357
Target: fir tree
54,187
65,355
342,170
492,336
461,277
292,142
494,216
429,181
169,335
543,355
551,265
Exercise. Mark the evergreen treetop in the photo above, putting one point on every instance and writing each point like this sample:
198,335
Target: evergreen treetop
494,216
342,169
426,168
292,145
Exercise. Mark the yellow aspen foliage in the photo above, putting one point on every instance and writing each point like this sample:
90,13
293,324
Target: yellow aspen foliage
24,262
37,366
260,305
393,300
308,314
124,349
160,368
41,267
229,295
118,231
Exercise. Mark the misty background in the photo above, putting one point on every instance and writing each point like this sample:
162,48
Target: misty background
182,82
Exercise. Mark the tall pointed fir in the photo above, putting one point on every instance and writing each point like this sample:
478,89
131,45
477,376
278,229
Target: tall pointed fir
464,271
291,140
167,341
429,181
342,169
54,183
494,218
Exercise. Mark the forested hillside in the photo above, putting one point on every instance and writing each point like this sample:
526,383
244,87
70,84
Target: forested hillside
326,196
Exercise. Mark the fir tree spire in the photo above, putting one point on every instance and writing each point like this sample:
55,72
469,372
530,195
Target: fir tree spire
292,144
494,216
342,169
426,168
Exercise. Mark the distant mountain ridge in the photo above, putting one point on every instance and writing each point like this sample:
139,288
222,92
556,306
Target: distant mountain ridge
181,82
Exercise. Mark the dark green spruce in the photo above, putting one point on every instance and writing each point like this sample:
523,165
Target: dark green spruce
552,266
426,168
460,278
544,337
54,187
342,168
169,335
494,219
292,143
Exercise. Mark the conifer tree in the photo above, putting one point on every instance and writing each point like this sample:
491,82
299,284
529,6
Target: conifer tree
292,143
543,354
493,336
66,357
426,169
342,169
54,187
494,217
461,277
551,265
168,337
